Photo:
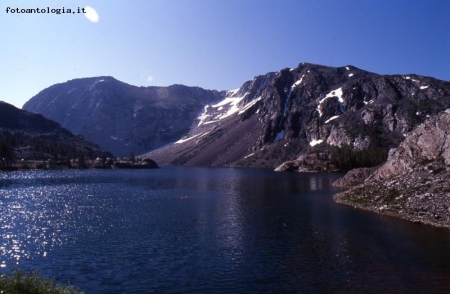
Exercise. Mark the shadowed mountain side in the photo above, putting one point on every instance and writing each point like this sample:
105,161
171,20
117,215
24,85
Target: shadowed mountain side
26,135
217,145
122,118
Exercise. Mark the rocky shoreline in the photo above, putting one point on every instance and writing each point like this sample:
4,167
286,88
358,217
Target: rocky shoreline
426,208
414,182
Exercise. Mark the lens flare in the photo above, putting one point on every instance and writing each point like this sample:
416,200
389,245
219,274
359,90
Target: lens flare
91,14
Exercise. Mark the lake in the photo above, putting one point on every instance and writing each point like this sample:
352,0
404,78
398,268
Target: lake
210,230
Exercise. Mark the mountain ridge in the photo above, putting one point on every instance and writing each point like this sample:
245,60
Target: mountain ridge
120,117
390,131
308,118
311,108
26,135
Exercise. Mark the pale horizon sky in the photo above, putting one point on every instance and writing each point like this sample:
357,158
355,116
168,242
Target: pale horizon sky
215,44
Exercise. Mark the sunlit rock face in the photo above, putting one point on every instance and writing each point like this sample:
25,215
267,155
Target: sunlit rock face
123,118
320,118
414,182
344,116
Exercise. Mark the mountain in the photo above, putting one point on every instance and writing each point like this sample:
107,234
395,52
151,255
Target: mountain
119,117
414,182
309,118
26,135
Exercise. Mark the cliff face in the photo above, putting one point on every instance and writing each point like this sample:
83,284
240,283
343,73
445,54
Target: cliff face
414,182
27,135
119,117
311,118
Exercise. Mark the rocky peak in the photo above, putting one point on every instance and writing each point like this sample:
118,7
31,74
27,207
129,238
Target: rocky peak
350,116
123,118
314,108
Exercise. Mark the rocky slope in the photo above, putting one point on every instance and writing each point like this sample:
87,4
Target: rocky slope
26,135
122,118
414,182
354,177
311,118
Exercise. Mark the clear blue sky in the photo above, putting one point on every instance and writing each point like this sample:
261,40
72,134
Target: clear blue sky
216,44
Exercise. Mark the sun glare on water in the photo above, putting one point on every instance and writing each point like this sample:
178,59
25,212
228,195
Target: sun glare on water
91,14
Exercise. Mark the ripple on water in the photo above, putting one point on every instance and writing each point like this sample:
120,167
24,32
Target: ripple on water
184,230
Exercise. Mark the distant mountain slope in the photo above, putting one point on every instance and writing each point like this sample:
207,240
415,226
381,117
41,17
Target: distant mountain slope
315,117
119,117
414,182
31,136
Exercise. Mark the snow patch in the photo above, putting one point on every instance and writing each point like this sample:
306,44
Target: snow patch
204,135
347,68
233,92
297,83
351,75
248,105
424,87
211,122
288,94
251,154
114,138
336,93
224,102
199,138
279,136
315,142
230,104
186,139
203,116
233,105
407,78
331,118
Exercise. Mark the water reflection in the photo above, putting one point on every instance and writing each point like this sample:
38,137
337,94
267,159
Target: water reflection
209,230
39,212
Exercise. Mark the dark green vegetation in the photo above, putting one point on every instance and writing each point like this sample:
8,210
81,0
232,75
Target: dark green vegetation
29,139
23,283
135,164
346,158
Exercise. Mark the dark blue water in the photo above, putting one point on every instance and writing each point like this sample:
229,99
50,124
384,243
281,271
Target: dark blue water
199,230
